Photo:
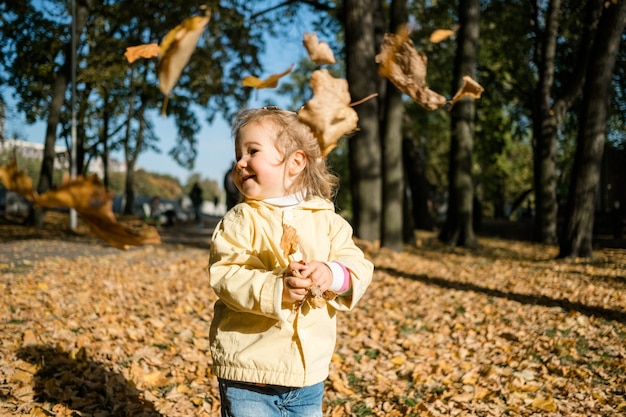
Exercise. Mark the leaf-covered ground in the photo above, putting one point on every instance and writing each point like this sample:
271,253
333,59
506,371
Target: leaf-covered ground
501,330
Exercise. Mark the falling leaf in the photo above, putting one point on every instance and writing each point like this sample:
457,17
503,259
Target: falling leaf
269,82
319,52
328,113
149,50
470,88
440,35
87,195
175,51
91,200
405,67
14,179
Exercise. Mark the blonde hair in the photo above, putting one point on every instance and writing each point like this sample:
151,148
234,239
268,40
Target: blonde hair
292,135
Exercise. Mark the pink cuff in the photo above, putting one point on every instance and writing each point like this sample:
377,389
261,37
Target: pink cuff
341,277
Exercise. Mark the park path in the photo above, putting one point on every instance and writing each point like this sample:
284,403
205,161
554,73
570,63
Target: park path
27,250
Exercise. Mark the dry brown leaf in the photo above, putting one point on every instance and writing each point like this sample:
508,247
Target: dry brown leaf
470,88
405,67
87,195
15,180
328,114
545,404
175,51
289,241
491,321
269,82
319,52
90,199
149,50
440,35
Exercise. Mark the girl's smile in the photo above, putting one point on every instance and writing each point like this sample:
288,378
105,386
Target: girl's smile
260,171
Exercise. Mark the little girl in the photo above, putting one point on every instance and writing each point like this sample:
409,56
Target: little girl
271,349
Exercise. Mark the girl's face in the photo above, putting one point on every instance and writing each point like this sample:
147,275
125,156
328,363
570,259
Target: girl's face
261,170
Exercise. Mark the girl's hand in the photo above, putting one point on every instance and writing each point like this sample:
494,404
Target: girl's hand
294,286
317,272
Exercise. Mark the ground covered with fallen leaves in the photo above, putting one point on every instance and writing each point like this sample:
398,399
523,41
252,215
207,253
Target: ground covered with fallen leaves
503,330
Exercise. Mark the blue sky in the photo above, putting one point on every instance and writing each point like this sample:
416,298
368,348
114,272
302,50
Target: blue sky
215,146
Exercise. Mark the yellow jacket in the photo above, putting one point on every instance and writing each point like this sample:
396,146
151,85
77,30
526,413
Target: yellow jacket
255,337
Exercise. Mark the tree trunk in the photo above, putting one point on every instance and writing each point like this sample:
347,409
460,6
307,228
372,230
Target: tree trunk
548,114
54,114
364,146
393,178
458,228
576,240
417,184
129,191
544,132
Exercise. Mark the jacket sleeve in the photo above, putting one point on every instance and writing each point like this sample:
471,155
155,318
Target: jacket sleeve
346,252
237,273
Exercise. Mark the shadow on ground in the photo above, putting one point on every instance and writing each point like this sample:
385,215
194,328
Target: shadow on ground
82,384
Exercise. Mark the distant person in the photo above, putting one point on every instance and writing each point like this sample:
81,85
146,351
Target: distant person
155,208
271,350
233,196
196,200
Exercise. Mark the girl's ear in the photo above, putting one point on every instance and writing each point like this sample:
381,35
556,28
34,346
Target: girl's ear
297,162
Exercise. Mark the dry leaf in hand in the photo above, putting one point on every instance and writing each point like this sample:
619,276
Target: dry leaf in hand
176,48
319,52
440,35
269,82
149,50
328,114
470,88
289,243
405,67
289,240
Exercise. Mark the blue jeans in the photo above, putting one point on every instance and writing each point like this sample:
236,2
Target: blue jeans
248,400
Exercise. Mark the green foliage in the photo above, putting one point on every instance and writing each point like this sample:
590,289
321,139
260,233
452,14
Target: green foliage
30,166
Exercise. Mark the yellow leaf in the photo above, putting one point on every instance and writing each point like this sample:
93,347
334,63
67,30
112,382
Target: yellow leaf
153,378
470,88
22,376
398,360
440,35
183,389
269,82
544,403
149,50
176,49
